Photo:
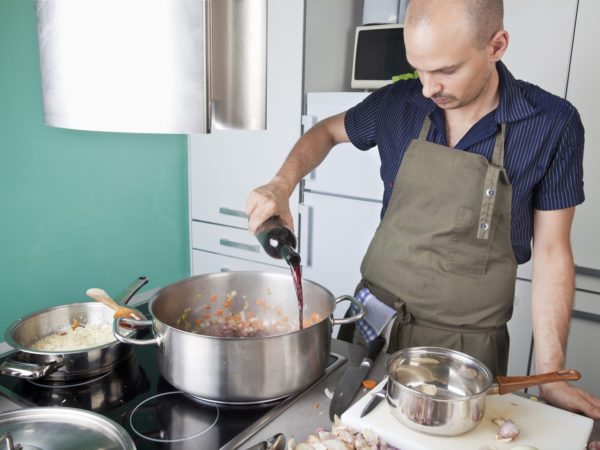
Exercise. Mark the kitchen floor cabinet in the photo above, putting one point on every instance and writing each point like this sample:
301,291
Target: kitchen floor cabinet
335,235
225,166
341,204
551,44
520,330
582,91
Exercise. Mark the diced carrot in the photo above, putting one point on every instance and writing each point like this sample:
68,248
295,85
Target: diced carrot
250,314
315,316
219,313
198,321
75,323
237,317
213,298
369,384
227,304
316,405
207,307
206,316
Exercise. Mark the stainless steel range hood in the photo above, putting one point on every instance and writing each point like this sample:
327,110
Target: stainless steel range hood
153,66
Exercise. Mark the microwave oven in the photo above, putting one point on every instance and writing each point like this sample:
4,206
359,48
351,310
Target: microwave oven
379,56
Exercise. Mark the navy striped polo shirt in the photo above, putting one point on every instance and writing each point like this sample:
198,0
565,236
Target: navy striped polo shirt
543,152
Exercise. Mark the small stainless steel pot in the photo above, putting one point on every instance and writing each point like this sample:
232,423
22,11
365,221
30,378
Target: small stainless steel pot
442,392
65,365
240,370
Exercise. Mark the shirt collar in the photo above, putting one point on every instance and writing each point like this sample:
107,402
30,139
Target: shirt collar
512,107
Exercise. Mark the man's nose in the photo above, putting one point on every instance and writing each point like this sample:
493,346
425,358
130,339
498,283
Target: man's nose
430,85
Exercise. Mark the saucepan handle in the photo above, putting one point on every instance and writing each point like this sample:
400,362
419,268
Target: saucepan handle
9,441
511,384
30,371
361,310
137,323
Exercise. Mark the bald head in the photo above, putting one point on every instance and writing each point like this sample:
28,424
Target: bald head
484,17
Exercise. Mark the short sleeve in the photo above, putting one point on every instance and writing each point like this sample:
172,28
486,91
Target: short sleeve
361,120
562,185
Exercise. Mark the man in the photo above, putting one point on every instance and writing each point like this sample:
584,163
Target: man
475,164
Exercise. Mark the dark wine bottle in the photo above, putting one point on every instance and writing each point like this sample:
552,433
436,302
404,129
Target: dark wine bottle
278,240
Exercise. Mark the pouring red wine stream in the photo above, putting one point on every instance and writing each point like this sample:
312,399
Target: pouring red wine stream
280,242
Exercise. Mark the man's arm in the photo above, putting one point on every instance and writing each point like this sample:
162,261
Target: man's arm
310,150
552,291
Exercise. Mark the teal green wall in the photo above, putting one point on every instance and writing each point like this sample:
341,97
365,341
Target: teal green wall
78,209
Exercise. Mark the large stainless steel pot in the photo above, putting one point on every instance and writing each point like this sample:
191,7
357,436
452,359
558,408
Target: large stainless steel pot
65,365
442,392
240,370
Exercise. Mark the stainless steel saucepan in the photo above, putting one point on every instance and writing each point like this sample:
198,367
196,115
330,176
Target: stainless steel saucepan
65,365
443,392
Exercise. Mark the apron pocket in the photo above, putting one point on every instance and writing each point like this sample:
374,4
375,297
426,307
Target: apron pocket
466,253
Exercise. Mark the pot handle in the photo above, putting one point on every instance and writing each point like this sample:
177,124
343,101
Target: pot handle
511,384
361,310
136,323
29,371
124,297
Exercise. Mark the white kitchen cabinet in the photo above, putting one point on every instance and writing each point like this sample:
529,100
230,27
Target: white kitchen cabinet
551,45
582,91
540,36
520,330
225,166
207,262
230,241
341,204
346,170
336,233
584,334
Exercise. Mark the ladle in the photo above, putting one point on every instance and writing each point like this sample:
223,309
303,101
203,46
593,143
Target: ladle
120,311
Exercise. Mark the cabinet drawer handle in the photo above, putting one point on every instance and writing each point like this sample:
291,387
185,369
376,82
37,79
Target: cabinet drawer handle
251,248
233,212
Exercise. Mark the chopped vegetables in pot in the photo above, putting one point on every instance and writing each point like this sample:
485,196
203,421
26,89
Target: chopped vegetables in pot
229,318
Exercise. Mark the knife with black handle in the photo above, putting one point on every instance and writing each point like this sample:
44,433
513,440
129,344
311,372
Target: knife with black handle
350,382
375,400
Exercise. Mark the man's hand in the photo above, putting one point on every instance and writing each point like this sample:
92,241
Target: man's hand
267,201
571,398
273,198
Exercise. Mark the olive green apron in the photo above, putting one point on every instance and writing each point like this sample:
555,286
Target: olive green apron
442,255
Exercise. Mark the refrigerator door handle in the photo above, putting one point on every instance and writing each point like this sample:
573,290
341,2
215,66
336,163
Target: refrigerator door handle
306,233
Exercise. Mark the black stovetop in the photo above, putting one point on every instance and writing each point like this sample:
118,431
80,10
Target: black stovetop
154,413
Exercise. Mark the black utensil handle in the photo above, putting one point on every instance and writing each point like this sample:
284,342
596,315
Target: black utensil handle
374,348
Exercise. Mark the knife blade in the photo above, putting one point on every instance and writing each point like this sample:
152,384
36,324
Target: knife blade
375,400
351,380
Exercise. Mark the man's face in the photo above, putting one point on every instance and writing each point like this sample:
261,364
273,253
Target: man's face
453,71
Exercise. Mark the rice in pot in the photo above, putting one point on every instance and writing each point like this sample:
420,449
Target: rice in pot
78,338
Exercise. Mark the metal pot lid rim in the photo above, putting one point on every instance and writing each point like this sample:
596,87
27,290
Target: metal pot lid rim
63,428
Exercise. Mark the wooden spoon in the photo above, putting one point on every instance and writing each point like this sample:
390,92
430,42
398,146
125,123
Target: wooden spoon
120,311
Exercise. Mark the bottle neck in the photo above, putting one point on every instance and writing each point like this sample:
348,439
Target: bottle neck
290,255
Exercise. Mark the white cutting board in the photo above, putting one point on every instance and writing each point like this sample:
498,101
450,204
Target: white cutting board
541,426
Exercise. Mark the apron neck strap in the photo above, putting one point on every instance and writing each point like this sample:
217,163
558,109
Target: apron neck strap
497,156
425,129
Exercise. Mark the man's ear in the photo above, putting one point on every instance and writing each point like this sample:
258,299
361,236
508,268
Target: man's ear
497,45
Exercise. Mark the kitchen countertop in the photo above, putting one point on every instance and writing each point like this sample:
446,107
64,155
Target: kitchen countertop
311,410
